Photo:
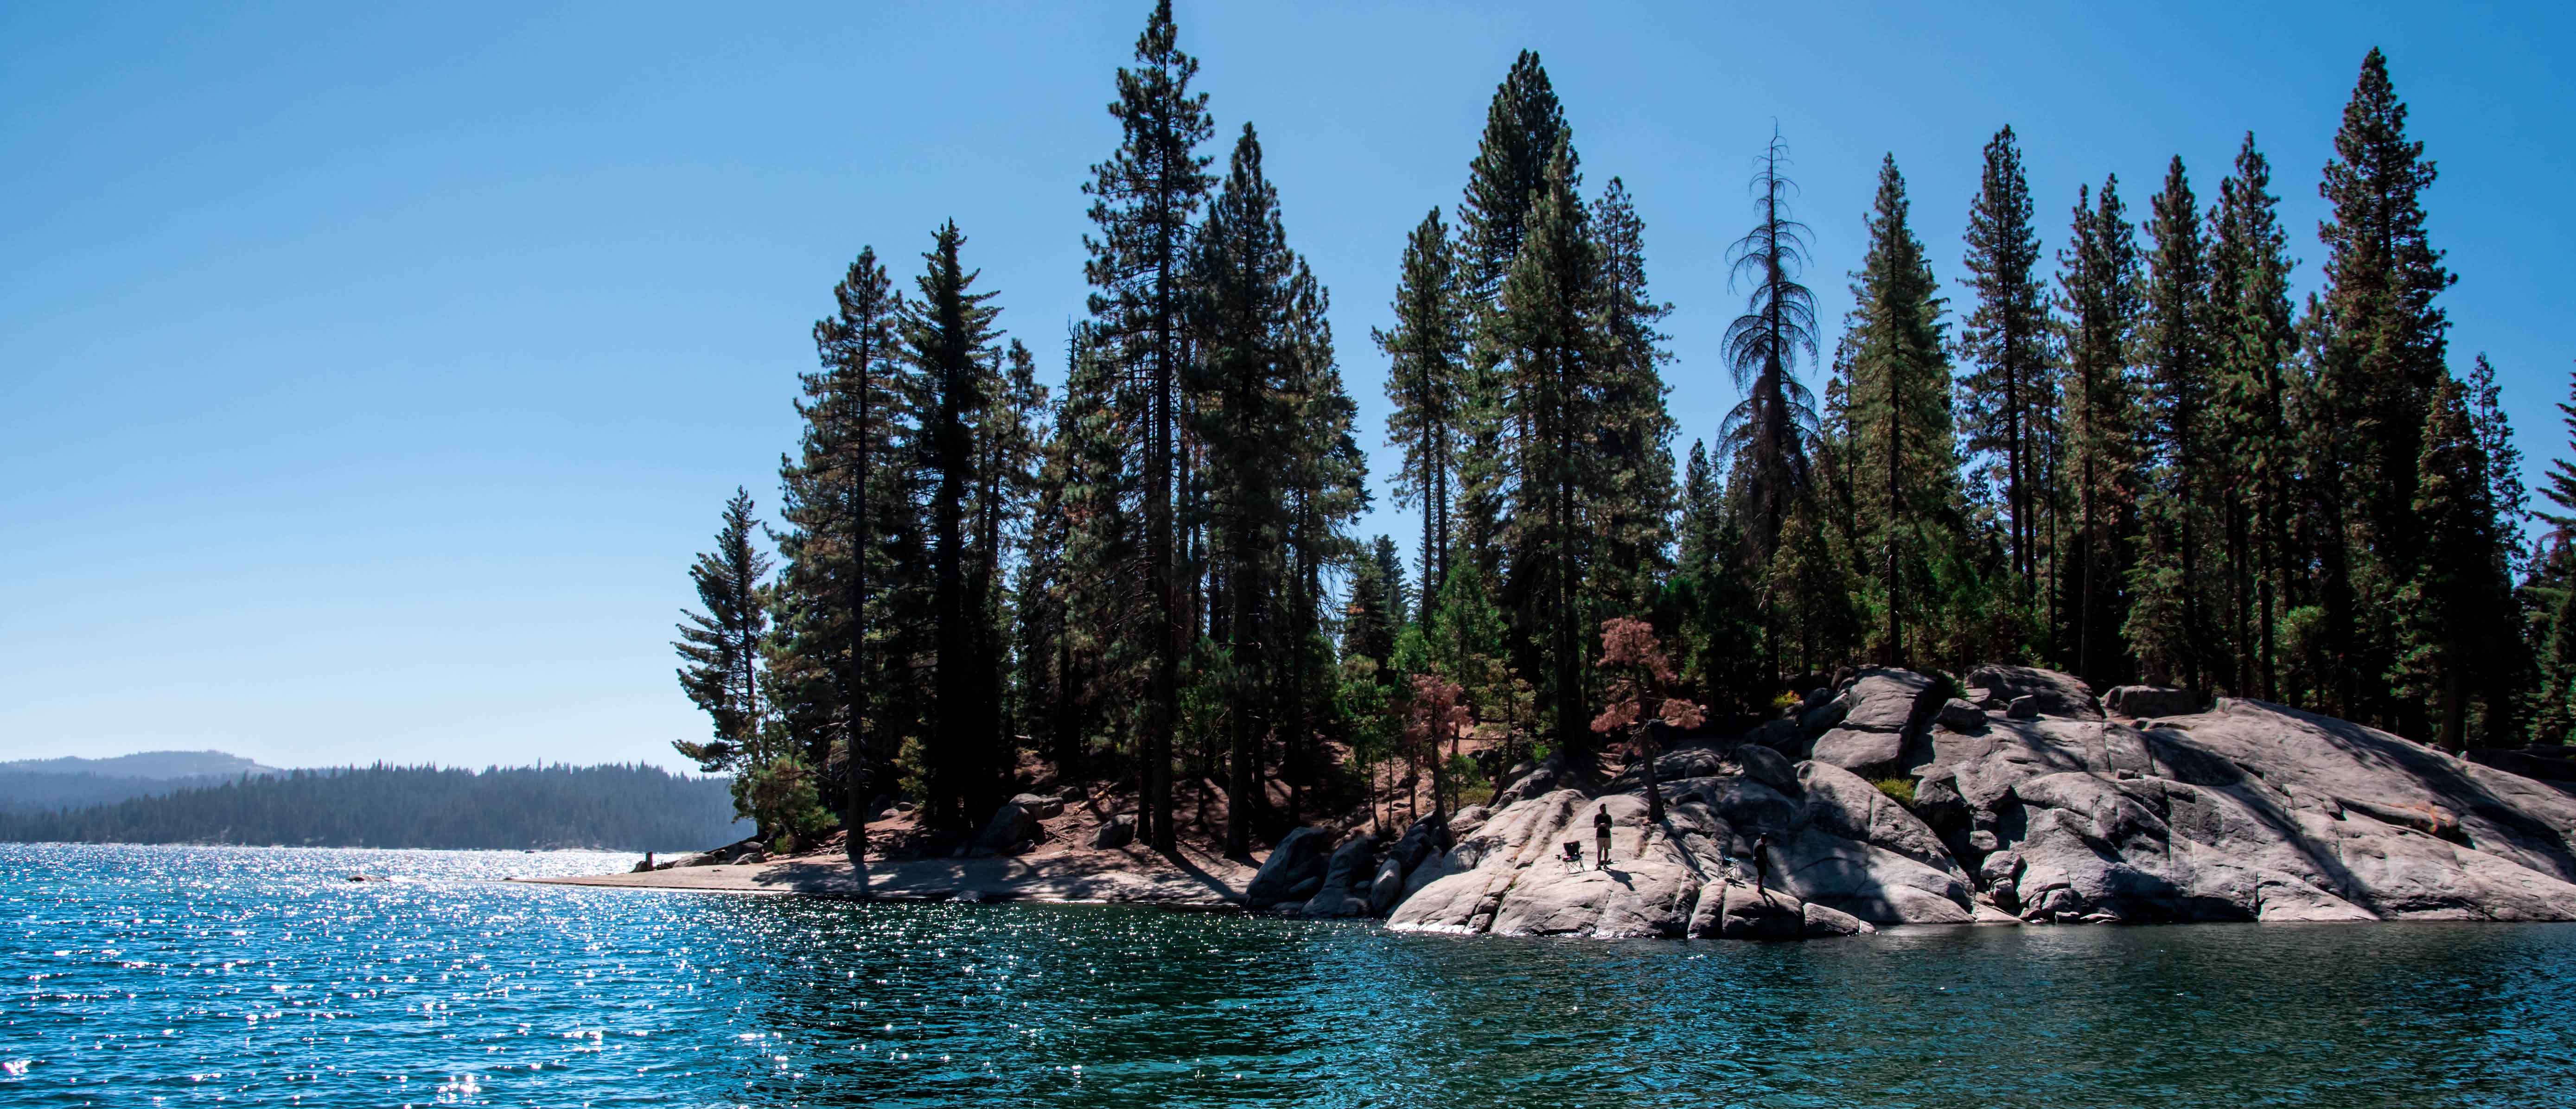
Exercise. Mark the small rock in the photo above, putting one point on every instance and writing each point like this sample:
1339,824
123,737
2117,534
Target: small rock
2024,707
1960,716
1983,840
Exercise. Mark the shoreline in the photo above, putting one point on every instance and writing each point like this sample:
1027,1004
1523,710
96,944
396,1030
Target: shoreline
1054,874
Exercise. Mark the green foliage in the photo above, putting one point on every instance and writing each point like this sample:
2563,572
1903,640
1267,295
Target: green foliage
782,796
1899,790
1906,481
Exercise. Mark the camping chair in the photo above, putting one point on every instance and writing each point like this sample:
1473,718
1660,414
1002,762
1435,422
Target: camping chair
1573,856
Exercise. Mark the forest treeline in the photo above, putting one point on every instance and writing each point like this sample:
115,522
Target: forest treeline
622,807
2138,458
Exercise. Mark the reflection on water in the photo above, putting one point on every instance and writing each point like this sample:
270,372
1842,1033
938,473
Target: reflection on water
262,976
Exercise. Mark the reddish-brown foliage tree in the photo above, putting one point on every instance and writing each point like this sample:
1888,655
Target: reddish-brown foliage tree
1640,674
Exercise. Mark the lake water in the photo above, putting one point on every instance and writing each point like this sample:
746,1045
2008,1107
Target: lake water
136,976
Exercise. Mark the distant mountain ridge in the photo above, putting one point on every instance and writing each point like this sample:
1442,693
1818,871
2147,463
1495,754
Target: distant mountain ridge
630,807
151,765
53,785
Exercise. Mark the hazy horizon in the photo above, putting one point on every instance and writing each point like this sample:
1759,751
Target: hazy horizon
374,374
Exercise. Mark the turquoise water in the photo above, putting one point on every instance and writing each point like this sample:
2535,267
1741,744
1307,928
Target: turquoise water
206,976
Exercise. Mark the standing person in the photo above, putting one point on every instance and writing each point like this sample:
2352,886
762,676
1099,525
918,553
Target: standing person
1762,860
1601,836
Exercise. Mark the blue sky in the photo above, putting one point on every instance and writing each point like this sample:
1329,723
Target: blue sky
368,374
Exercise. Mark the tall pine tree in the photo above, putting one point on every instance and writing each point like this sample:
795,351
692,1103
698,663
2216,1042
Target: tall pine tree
1143,199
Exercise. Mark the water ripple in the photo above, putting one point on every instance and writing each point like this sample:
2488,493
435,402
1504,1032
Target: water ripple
206,976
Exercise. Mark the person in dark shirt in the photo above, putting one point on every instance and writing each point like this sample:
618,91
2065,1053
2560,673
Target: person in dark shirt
1762,860
1601,836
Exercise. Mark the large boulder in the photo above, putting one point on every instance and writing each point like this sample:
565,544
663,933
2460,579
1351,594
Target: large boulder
1887,700
2052,693
1862,752
1044,806
1823,920
1298,860
1115,832
1746,913
1013,824
2251,811
2137,701
1766,766
1347,878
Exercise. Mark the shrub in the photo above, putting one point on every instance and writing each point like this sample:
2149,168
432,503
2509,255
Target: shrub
1899,790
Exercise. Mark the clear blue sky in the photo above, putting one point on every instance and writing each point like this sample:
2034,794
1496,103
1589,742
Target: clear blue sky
369,374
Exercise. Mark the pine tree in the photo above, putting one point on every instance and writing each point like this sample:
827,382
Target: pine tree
2379,353
1143,199
834,498
2009,401
1767,434
1907,480
2098,277
948,333
1239,396
1426,358
1524,127
2450,611
2251,329
2552,591
1544,322
2169,626
721,646
723,676
1327,490
1629,509
1376,605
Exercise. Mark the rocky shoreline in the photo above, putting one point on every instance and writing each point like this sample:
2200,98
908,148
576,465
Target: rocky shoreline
1891,799
2031,802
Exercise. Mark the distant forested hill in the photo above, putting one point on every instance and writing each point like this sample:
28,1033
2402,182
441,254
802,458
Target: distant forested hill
45,785
637,808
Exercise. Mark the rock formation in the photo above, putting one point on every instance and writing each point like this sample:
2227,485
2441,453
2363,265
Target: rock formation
2030,804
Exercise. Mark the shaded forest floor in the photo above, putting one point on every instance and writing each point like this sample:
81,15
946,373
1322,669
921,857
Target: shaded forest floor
904,862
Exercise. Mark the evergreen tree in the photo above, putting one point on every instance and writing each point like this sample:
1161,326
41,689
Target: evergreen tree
1767,434
948,330
1240,398
2098,276
835,500
2169,626
2378,354
1902,436
1327,490
1524,127
1426,358
721,646
1144,197
1376,605
1545,323
2450,612
2009,401
2251,329
1631,505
